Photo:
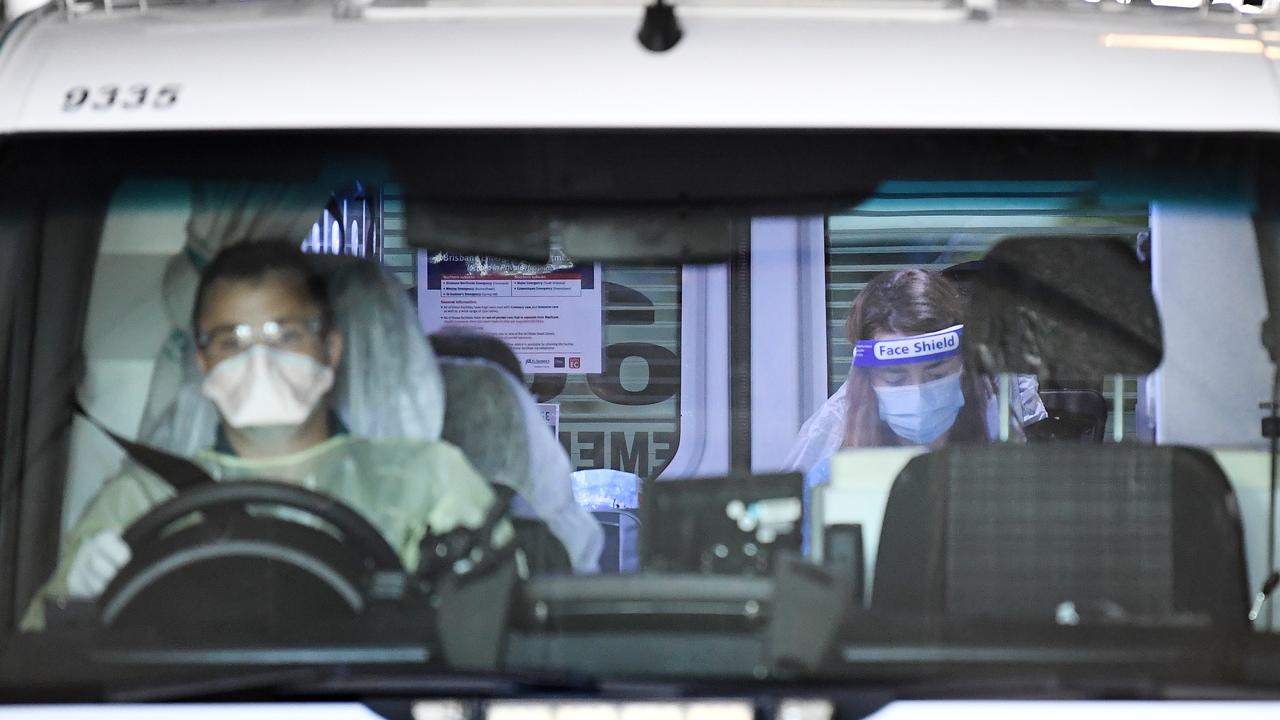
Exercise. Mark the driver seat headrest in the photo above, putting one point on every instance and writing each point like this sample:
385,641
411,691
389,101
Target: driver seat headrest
484,418
458,343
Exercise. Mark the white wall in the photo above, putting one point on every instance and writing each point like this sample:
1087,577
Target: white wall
1208,285
126,325
14,8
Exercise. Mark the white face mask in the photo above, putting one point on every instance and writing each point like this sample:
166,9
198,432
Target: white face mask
267,387
921,413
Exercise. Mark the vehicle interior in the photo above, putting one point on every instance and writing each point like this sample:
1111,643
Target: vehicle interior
1116,517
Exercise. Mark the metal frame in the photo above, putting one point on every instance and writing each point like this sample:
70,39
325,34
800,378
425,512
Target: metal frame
704,395
789,332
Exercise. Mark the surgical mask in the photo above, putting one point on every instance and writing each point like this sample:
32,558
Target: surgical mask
265,386
921,413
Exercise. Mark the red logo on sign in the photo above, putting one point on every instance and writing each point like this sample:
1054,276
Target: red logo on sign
575,363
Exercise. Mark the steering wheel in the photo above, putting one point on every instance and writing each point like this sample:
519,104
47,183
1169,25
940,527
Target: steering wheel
327,564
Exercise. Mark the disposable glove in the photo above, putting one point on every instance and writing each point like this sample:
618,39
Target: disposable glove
96,562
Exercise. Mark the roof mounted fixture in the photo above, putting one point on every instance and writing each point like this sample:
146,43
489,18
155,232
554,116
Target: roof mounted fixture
660,31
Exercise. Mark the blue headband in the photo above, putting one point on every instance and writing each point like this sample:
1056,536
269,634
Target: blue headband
920,348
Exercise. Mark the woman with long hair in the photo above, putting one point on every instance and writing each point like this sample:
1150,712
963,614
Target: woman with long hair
908,384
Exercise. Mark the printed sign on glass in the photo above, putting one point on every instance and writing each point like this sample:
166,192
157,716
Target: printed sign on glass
549,314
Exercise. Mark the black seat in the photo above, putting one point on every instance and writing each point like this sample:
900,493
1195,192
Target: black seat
1039,533
544,553
1073,416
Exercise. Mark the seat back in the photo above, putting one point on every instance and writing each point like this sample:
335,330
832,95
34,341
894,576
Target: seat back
1024,533
479,410
493,417
484,418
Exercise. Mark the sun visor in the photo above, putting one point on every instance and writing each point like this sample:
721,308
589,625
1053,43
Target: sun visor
604,234
1064,308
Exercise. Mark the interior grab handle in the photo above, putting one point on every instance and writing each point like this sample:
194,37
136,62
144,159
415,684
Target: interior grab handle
1260,599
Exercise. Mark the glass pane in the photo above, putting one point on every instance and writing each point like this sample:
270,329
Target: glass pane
939,226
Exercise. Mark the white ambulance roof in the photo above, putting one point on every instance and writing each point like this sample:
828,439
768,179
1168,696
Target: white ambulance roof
288,65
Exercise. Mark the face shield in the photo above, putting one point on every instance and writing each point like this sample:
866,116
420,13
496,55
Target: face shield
918,391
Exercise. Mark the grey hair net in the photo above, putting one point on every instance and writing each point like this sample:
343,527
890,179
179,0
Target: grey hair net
492,417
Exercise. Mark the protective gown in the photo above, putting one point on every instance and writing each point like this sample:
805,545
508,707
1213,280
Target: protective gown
404,488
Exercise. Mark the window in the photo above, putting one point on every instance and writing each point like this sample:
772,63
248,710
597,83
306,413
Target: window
940,225
692,326
628,417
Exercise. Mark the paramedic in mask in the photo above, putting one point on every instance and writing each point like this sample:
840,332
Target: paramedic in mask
908,384
262,324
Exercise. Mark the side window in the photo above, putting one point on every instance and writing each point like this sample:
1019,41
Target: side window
626,417
373,218
389,241
939,225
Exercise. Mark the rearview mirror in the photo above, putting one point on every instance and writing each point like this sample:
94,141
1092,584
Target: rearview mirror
1064,308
